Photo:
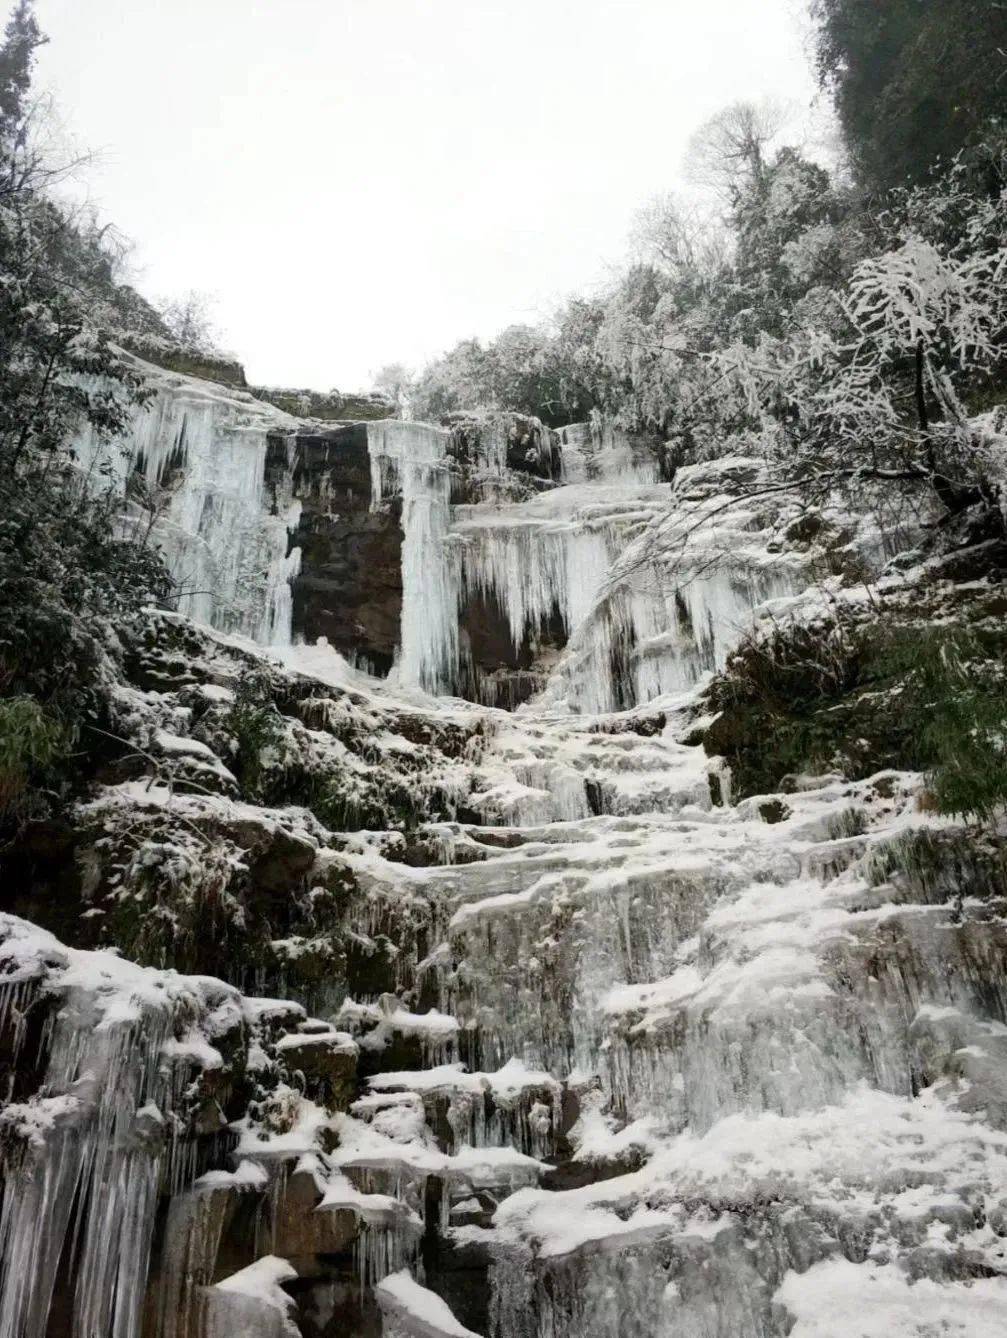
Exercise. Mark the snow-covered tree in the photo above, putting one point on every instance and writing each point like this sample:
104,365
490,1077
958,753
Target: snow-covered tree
396,381
62,567
729,152
189,321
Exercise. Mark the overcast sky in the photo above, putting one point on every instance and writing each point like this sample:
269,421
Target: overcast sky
363,181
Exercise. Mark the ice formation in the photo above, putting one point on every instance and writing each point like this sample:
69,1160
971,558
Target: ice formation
594,552
95,1149
604,1054
410,459
193,472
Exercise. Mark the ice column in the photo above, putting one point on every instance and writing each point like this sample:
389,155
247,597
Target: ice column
411,458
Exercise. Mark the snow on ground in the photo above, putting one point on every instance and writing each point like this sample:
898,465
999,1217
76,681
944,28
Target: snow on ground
412,1311
872,1300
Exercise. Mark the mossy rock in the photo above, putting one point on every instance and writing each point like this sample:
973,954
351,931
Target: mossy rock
328,406
188,362
918,686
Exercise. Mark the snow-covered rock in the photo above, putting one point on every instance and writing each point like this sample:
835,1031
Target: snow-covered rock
569,1043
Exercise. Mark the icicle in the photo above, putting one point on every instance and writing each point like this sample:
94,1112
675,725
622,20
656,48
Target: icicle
533,568
87,1158
655,631
412,457
381,1249
101,1159
192,470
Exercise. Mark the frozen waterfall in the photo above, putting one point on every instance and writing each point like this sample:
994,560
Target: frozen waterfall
542,526
600,1052
409,460
192,471
647,595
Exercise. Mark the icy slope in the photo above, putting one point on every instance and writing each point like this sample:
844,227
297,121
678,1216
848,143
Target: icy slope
656,1067
567,1043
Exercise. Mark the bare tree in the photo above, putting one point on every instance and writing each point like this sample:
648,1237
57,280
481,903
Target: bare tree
729,151
682,239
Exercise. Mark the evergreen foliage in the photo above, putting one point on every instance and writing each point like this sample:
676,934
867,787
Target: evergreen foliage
255,727
31,741
956,699
915,82
856,698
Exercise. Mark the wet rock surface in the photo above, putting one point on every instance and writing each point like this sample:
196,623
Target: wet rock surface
349,586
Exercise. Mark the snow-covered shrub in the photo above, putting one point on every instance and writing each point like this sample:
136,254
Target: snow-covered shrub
31,740
256,731
175,890
863,690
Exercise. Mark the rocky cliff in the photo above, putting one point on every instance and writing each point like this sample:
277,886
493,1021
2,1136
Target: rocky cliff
346,1001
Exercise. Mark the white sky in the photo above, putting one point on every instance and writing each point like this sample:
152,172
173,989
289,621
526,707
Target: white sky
358,182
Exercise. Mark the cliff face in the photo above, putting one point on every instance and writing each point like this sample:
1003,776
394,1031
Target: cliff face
431,1018
327,407
290,528
349,585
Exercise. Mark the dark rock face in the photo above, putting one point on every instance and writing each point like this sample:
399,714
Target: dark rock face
349,589
459,1274
330,406
326,1065
495,672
